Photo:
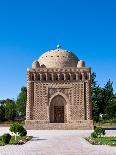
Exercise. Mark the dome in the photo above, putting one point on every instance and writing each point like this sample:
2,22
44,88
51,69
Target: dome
58,58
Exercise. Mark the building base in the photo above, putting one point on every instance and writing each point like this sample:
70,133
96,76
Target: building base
78,125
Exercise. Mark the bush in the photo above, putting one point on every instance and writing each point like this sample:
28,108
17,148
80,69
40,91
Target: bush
23,132
18,129
93,135
14,128
99,131
6,138
94,127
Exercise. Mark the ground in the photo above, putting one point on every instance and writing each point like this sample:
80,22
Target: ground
58,142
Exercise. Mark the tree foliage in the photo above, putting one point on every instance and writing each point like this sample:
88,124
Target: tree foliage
21,102
18,129
10,109
103,100
2,110
6,138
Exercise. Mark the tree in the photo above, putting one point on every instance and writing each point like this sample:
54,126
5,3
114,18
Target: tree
96,97
110,109
2,110
10,109
107,96
21,102
97,101
103,100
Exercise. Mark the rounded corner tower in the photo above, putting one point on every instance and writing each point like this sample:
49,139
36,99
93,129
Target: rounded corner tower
59,92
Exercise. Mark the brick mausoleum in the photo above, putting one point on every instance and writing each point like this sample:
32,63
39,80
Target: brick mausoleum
59,92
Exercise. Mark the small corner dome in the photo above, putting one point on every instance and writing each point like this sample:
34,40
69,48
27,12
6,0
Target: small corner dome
81,63
35,65
58,58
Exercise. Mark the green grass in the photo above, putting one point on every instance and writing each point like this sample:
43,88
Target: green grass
12,141
10,122
102,141
108,122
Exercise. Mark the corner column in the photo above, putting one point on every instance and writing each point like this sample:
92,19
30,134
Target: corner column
30,97
88,101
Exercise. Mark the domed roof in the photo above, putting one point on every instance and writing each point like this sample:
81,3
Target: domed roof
58,58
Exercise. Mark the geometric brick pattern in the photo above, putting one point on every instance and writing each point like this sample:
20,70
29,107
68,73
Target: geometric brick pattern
40,102
69,87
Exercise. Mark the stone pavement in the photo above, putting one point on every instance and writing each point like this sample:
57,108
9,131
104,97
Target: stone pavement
57,142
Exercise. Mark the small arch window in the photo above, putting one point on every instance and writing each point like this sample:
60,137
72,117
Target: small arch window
44,77
68,77
74,77
86,77
80,76
32,77
50,77
62,77
38,77
56,77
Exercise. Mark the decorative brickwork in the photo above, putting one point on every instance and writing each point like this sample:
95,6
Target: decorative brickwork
58,97
30,100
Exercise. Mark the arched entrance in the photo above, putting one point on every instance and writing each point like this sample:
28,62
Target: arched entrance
58,110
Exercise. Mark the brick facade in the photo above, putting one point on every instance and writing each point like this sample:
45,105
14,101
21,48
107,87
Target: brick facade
67,89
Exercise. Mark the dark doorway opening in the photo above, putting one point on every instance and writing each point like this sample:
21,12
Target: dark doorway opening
58,114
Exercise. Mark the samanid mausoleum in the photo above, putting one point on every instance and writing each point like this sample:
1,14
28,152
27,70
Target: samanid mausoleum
59,92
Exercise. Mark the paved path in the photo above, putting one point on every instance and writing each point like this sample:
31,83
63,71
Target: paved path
57,142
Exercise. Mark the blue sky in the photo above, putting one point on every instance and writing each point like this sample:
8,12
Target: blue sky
30,27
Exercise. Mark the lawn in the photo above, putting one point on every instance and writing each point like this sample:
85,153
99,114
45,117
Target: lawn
102,141
20,140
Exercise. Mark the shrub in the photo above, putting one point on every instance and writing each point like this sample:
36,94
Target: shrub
94,127
18,129
93,135
6,138
23,132
14,128
99,131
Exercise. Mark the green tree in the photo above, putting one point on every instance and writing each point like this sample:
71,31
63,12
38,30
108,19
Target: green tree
103,100
97,101
10,109
110,109
2,110
96,97
21,103
108,96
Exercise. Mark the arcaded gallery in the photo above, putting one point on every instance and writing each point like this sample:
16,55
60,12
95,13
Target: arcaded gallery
59,92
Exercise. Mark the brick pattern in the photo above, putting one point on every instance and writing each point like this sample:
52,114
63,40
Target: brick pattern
40,102
30,100
77,106
88,101
78,125
75,90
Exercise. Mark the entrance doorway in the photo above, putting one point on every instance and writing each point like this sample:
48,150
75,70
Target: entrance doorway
57,109
59,114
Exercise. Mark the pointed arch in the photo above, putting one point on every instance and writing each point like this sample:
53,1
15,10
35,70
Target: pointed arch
58,108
